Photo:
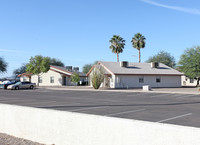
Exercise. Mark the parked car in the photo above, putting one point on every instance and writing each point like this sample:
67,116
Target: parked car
5,84
22,85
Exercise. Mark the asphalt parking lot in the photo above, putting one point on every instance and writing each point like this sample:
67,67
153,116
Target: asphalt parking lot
179,109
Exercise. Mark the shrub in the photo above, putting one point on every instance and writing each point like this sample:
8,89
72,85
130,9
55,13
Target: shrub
75,78
97,77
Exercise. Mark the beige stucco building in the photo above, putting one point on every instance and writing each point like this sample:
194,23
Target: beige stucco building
25,77
186,81
136,75
56,76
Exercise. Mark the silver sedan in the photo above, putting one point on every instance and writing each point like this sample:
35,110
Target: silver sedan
22,85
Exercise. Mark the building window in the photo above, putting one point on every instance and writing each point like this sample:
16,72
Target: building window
191,80
141,79
40,79
51,79
24,79
158,79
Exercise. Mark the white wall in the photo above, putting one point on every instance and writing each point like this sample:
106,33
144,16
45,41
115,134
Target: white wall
186,81
67,128
24,78
46,79
131,81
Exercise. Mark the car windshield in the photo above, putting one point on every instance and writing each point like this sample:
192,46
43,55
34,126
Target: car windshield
18,83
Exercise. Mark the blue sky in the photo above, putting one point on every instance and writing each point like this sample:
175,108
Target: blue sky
78,32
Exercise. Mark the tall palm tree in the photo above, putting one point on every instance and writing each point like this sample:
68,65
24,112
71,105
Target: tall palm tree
138,42
117,45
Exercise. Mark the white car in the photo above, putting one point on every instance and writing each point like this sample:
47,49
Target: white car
22,85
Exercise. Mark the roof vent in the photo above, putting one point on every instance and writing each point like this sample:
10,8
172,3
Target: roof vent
154,64
76,69
69,68
124,64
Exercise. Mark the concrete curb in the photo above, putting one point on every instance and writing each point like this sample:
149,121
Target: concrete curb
120,90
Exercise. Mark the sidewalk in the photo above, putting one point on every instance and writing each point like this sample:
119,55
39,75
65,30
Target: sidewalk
183,90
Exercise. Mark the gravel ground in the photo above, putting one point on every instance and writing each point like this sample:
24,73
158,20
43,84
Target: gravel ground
11,140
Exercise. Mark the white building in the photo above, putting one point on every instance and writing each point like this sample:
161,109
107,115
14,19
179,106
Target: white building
56,76
25,77
135,75
186,81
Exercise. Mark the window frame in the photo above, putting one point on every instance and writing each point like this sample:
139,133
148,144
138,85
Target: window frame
52,79
40,80
141,79
191,81
158,79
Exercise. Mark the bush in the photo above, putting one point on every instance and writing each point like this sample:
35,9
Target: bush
97,77
75,78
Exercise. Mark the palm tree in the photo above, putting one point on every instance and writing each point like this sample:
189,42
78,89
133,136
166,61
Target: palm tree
138,42
117,45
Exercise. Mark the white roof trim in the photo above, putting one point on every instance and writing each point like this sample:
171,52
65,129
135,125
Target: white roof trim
58,70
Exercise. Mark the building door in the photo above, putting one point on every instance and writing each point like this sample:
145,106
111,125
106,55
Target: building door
64,80
107,81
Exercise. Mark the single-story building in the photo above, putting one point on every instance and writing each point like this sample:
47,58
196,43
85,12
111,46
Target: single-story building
25,77
56,76
135,75
186,81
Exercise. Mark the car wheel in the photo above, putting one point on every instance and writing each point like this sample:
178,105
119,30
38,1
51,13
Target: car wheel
31,87
17,88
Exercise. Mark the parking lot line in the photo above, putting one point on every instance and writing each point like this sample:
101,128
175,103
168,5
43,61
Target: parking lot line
89,108
174,117
119,113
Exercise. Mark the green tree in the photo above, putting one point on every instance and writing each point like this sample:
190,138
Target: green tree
163,57
38,65
56,62
190,63
97,77
75,78
138,42
3,65
87,67
20,70
117,45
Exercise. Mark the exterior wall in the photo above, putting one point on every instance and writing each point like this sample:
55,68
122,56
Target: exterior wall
24,78
185,81
58,81
132,81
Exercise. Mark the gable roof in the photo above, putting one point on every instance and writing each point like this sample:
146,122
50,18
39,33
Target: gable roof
63,70
138,69
25,74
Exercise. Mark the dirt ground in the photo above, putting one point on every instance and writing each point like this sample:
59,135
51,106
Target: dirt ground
11,140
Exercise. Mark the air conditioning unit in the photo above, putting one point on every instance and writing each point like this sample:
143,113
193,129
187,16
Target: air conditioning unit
154,64
124,64
69,68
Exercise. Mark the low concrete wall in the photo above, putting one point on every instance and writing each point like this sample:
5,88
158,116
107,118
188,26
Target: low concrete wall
67,128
